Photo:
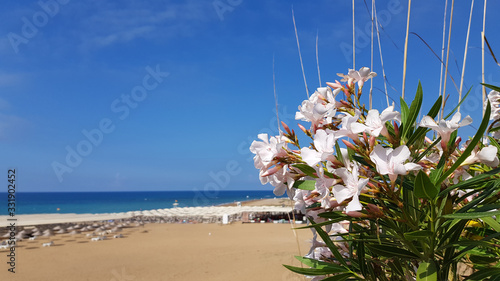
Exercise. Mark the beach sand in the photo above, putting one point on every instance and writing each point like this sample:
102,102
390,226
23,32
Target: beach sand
164,252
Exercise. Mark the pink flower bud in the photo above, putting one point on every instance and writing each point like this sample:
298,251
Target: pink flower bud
285,126
272,171
303,129
350,145
396,128
356,214
372,141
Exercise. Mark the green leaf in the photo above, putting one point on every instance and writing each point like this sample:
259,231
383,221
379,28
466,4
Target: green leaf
483,273
427,271
419,234
413,112
495,143
338,277
329,243
424,188
320,264
306,169
390,251
471,146
492,222
404,116
313,271
495,88
305,184
471,215
482,259
421,130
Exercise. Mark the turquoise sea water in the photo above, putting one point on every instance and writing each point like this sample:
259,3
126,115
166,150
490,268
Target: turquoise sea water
111,202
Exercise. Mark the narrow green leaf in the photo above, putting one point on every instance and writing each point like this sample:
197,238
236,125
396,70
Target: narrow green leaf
492,222
306,169
421,130
413,112
338,277
495,143
329,243
404,116
312,271
471,215
390,251
483,273
419,234
482,259
471,146
305,184
427,271
495,88
424,188
321,264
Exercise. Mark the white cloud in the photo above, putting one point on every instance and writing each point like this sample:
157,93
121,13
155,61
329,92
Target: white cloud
105,24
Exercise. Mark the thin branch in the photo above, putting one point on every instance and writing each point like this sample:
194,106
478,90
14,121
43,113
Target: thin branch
317,60
406,50
381,58
491,51
447,57
442,48
353,40
300,55
276,99
442,63
483,37
371,59
465,56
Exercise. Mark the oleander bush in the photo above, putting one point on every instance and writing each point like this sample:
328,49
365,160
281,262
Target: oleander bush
389,195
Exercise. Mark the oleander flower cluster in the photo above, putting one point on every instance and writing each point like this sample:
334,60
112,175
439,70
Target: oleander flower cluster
389,194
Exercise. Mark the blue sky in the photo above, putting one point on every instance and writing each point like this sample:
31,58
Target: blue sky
173,92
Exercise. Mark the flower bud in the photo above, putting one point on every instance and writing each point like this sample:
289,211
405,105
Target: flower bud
396,128
303,129
372,141
350,145
285,126
272,171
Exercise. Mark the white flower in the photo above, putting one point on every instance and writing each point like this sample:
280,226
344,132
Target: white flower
494,98
299,199
267,149
390,162
351,188
350,126
445,127
487,156
460,172
361,76
322,186
324,142
375,122
319,108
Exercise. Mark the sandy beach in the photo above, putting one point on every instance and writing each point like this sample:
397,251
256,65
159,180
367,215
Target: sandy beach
166,251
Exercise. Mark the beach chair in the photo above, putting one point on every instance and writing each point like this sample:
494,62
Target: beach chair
48,244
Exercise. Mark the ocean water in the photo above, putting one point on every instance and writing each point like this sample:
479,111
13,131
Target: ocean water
113,202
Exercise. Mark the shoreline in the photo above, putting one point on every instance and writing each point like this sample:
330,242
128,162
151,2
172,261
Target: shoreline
233,210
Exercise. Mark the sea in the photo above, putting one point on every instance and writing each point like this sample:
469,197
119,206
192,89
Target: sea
116,202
